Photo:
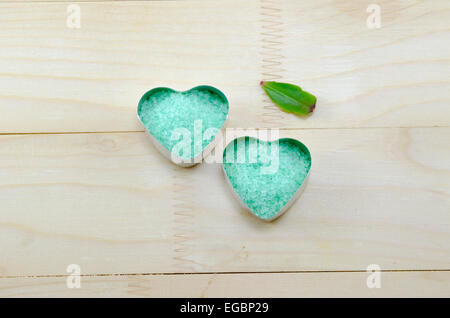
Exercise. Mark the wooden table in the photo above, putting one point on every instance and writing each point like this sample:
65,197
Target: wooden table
81,184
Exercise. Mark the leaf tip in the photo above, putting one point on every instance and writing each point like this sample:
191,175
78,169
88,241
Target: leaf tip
262,83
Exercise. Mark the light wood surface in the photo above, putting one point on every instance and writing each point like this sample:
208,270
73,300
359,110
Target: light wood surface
393,284
80,182
90,79
113,204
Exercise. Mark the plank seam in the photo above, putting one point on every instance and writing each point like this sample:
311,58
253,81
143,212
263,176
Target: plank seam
281,128
272,29
183,219
230,273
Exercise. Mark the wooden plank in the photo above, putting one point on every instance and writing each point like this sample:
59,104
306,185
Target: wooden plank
57,79
337,284
112,204
45,1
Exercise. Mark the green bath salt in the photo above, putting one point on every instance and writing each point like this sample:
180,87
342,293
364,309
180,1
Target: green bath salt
194,116
267,178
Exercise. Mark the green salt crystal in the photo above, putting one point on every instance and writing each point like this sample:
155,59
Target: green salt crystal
266,193
163,110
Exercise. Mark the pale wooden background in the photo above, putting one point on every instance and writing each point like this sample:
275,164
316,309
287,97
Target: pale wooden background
81,183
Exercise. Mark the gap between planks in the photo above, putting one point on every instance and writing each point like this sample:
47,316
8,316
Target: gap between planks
230,273
238,128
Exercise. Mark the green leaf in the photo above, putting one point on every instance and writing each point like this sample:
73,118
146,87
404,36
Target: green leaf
290,98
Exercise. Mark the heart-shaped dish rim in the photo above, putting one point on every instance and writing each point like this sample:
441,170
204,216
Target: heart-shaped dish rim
180,161
291,201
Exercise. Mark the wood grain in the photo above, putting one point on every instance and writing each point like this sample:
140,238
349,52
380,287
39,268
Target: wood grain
112,204
393,284
81,184
56,79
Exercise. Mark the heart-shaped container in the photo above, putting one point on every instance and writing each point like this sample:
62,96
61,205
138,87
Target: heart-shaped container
184,162
293,198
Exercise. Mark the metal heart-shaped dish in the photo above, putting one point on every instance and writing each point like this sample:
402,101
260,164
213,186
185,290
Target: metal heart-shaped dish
266,177
184,125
